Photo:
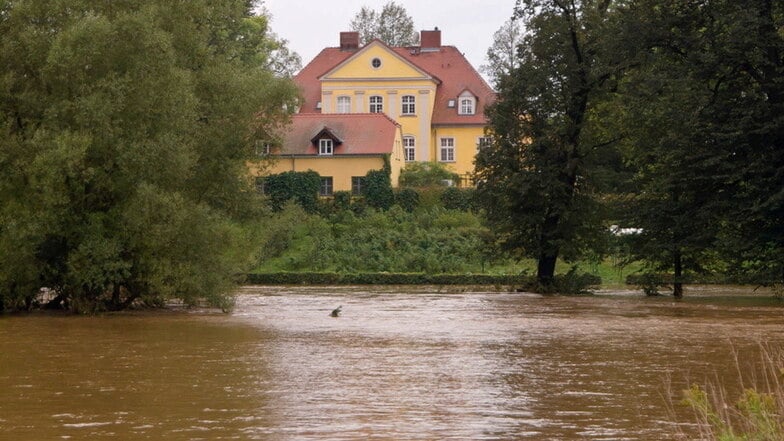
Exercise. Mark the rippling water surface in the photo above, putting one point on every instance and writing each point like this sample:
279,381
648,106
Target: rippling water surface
398,364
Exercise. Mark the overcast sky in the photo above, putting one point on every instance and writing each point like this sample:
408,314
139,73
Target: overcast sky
310,26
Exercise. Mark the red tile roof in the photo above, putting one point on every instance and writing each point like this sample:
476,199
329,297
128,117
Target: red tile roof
360,133
445,63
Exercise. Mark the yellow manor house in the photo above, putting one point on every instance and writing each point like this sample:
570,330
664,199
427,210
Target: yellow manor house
432,98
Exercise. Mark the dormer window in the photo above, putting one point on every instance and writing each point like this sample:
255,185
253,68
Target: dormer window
325,141
325,147
466,104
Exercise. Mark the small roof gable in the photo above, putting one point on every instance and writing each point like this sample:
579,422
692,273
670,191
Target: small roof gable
326,132
353,133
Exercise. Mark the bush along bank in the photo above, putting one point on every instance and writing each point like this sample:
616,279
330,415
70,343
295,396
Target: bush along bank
567,284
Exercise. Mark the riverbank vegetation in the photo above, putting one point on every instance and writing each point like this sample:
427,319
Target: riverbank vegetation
125,128
753,412
662,116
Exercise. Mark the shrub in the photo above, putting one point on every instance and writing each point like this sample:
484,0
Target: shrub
427,174
462,199
342,200
407,199
302,187
378,189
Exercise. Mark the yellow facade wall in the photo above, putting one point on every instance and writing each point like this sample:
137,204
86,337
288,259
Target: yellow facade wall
466,140
395,78
340,168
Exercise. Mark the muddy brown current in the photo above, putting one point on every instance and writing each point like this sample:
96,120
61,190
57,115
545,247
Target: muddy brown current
398,364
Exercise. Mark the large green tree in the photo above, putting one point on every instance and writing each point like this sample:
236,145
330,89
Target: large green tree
538,181
125,131
392,25
706,125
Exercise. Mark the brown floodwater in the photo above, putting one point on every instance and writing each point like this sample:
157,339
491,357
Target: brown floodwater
398,364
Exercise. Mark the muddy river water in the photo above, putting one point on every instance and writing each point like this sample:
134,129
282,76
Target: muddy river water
400,363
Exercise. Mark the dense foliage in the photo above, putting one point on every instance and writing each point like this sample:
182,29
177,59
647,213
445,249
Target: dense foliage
125,130
426,174
378,189
538,183
301,187
665,116
431,240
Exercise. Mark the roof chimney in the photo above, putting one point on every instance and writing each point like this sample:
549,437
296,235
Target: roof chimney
349,41
430,40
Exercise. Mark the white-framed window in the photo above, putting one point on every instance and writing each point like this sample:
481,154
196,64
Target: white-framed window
344,104
357,185
409,148
466,105
376,63
447,151
482,142
409,105
376,104
325,146
326,186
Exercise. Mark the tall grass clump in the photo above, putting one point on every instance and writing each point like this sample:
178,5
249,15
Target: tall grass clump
756,413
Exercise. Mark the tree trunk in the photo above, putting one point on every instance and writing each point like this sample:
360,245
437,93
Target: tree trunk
677,283
548,254
545,270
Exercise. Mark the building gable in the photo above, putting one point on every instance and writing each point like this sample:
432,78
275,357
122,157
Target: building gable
376,61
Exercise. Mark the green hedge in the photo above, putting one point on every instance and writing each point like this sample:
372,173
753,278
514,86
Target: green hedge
313,278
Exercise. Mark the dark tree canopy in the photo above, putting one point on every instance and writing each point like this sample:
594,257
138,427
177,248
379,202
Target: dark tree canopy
125,131
671,111
537,181
708,118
